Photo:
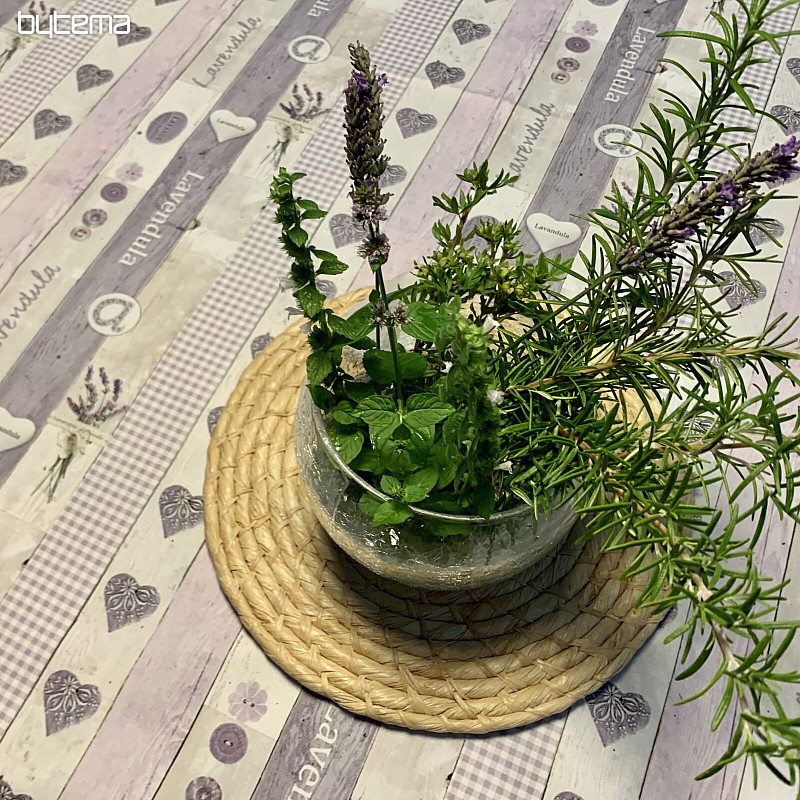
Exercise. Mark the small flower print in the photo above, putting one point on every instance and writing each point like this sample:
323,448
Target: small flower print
585,28
181,505
568,64
130,172
80,232
228,743
248,702
94,217
203,789
560,77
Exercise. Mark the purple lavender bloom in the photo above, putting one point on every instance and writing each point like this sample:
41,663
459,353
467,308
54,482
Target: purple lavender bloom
729,190
383,80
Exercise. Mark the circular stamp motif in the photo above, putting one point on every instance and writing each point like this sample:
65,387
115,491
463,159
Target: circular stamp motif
309,49
94,217
79,233
602,2
616,140
203,789
559,77
577,44
114,314
114,192
228,743
568,64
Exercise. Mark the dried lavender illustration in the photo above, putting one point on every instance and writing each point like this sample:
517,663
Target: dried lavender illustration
93,410
306,106
287,133
7,54
43,14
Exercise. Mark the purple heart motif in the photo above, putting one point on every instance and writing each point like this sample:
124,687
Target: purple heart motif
11,173
737,294
137,33
128,601
793,65
48,122
7,793
67,701
468,31
90,76
440,74
213,418
617,714
393,174
413,122
180,510
344,231
259,343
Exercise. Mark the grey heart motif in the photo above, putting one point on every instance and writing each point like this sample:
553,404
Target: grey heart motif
136,34
259,343
11,173
793,65
737,294
213,418
413,122
771,226
787,116
344,231
180,510
394,174
617,714
563,795
47,122
440,74
468,31
67,701
128,601
90,76
7,793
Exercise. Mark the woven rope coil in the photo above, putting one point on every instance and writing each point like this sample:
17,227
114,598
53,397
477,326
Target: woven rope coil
442,661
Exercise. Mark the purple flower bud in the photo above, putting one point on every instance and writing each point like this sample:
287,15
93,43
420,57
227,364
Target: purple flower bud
729,190
383,80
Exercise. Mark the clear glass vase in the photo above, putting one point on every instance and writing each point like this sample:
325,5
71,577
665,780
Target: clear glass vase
430,550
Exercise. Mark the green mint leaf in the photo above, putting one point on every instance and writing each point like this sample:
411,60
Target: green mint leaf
425,321
348,443
311,300
343,413
380,413
298,236
392,487
369,505
391,513
379,365
358,391
367,461
425,410
418,485
318,367
314,213
322,398
332,267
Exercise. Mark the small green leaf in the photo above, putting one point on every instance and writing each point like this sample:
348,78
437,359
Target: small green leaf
367,461
322,398
324,255
298,236
379,365
369,505
314,213
392,487
357,391
343,413
425,410
318,366
425,321
380,413
391,513
418,485
348,443
311,300
332,267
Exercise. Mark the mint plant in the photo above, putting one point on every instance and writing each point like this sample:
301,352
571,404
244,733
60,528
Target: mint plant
480,386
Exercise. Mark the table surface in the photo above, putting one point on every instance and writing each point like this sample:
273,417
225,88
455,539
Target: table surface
136,241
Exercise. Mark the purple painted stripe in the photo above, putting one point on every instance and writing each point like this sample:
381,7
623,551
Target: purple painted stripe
102,511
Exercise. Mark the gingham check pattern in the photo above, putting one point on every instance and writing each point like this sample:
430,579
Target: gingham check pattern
763,76
46,65
512,765
51,590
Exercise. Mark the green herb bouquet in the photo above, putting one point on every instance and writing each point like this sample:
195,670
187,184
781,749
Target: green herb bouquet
480,387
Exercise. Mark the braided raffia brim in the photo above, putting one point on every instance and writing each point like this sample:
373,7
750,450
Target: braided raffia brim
460,661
